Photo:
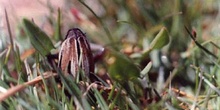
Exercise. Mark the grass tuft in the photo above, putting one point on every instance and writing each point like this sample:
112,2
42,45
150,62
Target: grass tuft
148,62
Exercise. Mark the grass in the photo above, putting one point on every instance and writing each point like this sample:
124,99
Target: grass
158,56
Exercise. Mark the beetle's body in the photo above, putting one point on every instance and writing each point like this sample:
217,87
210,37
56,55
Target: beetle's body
75,54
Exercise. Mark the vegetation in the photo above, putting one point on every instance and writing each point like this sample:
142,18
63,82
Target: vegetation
158,55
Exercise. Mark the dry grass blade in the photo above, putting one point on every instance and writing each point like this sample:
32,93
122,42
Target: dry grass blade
20,87
197,93
27,53
168,81
182,93
3,52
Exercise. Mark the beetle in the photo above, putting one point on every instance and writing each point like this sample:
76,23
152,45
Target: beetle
75,55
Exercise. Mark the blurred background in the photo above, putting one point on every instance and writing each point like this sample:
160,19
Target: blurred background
131,25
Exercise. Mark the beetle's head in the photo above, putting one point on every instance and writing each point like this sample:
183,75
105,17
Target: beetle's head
75,32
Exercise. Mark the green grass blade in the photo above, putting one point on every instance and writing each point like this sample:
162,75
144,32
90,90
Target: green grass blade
39,39
58,35
161,40
100,100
